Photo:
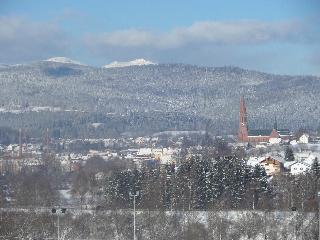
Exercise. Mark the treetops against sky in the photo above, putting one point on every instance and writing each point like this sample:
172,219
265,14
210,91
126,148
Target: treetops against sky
274,36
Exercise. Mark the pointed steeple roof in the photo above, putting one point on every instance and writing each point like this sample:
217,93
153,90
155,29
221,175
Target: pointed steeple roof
242,104
243,111
275,125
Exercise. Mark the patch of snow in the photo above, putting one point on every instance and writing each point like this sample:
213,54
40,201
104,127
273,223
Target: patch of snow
178,133
136,62
293,142
65,194
96,125
63,60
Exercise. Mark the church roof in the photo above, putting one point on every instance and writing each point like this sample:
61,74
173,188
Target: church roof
283,132
267,132
259,132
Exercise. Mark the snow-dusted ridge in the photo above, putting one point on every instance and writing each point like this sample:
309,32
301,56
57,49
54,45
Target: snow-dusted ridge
136,62
2,65
63,60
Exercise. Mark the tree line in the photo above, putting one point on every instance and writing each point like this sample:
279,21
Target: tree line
204,182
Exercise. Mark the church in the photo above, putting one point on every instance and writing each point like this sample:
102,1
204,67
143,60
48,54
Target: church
247,135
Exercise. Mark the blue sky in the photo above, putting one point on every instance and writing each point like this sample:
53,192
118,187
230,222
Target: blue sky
279,36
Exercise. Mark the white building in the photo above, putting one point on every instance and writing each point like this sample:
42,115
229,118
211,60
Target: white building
274,140
304,138
299,168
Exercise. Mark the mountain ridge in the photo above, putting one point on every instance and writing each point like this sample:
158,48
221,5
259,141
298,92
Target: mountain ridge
63,60
208,92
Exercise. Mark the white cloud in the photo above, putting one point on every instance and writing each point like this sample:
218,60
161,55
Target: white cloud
126,38
22,40
210,32
246,43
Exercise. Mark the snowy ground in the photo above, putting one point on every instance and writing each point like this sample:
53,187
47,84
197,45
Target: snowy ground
107,224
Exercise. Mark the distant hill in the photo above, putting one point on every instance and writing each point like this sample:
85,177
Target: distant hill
210,93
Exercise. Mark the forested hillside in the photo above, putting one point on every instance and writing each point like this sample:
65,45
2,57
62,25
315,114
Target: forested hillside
165,92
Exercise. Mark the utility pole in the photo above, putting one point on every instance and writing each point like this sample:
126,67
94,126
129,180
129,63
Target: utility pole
189,185
220,232
58,227
20,143
134,195
47,140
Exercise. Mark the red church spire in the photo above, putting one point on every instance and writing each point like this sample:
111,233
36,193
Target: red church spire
243,125
243,111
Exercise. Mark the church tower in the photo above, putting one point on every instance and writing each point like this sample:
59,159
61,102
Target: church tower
243,124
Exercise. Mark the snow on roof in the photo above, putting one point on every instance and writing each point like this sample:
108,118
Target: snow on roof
301,163
288,165
253,161
277,157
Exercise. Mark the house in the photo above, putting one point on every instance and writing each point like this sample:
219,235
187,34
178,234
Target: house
299,168
304,138
315,139
305,155
272,165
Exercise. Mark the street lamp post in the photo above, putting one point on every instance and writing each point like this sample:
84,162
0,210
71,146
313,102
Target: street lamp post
294,209
265,224
134,195
54,210
189,185
318,215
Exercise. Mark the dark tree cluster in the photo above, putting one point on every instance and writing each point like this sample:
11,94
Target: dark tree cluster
203,182
198,183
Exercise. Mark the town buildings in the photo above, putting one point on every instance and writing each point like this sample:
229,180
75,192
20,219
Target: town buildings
247,135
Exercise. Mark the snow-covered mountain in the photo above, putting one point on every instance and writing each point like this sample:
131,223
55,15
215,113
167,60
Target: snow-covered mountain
136,62
174,90
63,60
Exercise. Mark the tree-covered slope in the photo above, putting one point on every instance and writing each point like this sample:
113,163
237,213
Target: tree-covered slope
205,92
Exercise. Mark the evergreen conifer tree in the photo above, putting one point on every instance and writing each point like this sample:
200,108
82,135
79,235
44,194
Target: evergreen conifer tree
315,168
259,176
289,156
202,182
239,179
217,179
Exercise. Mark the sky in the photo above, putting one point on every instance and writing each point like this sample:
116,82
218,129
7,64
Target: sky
276,36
